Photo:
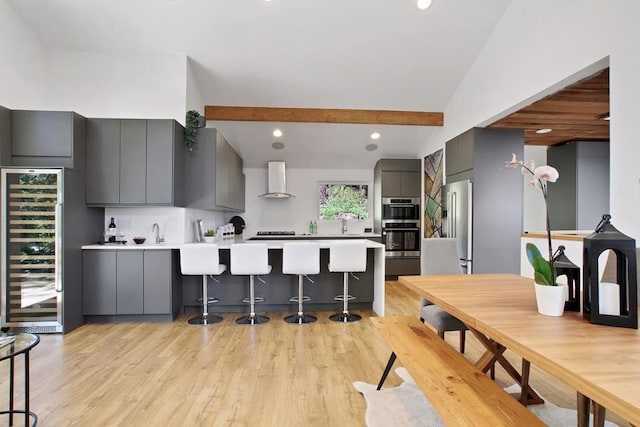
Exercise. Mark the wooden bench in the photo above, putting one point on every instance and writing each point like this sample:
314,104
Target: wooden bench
460,393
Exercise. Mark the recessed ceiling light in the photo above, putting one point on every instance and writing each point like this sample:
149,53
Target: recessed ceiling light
375,135
277,133
371,147
278,145
424,4
545,130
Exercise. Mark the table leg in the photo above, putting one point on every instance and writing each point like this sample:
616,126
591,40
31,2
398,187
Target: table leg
26,388
494,353
11,392
524,384
392,359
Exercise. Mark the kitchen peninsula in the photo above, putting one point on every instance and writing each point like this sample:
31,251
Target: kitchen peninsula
184,291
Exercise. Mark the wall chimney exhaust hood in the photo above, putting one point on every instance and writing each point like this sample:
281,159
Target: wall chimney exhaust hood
277,182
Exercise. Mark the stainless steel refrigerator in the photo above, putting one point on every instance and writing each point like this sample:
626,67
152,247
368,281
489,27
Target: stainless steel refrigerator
457,219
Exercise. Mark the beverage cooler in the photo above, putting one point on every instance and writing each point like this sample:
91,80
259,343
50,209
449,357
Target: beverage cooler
32,207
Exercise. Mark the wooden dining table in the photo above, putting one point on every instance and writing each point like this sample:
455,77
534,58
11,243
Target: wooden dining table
602,363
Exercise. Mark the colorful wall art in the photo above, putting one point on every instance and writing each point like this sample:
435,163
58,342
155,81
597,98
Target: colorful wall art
433,194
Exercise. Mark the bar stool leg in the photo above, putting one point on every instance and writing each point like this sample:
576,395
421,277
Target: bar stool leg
300,318
345,316
206,318
252,318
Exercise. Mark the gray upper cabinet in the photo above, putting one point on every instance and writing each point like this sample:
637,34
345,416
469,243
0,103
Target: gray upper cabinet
165,163
459,155
135,162
214,179
400,177
46,138
103,161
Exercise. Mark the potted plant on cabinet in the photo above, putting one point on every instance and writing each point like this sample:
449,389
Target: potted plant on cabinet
193,122
550,296
209,236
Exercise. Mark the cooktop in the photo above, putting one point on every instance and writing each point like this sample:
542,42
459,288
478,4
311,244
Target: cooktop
276,233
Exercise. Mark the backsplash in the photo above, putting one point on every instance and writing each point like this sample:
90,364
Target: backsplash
176,224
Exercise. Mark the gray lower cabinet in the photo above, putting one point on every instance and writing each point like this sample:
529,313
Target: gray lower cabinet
130,282
135,162
98,282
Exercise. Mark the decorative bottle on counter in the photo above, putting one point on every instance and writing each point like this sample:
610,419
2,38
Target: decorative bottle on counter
112,231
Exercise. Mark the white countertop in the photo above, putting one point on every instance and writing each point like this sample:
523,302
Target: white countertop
272,244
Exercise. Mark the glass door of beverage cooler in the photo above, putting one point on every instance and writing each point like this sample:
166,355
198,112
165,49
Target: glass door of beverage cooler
31,249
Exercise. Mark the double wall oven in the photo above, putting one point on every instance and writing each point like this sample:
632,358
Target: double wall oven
401,227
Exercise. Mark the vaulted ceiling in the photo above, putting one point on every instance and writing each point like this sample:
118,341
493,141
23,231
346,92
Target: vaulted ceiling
575,113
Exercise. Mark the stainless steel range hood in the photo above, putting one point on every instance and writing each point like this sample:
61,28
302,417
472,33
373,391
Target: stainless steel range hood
277,182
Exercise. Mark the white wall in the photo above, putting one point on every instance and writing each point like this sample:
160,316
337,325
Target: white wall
534,213
295,213
540,46
22,63
194,99
117,85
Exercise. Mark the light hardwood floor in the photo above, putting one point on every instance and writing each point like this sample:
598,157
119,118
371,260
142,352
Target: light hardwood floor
176,374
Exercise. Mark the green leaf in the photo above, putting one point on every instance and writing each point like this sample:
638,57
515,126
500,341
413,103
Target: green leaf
532,252
542,269
540,279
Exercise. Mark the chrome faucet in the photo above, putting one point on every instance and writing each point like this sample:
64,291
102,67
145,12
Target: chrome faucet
344,225
155,227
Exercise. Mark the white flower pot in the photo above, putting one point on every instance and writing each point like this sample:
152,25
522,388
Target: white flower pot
550,299
209,239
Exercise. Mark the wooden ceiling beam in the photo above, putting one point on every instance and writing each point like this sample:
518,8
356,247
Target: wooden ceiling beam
323,115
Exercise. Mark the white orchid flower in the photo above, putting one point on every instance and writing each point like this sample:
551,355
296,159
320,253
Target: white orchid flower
548,173
528,166
535,183
514,163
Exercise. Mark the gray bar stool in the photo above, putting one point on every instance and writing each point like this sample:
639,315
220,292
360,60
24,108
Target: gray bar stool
202,259
250,259
300,258
347,257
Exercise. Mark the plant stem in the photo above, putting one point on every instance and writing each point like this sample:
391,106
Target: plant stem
546,208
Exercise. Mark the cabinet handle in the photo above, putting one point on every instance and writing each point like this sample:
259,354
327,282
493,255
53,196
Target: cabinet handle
58,248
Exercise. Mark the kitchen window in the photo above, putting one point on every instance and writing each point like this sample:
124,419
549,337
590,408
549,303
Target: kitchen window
343,200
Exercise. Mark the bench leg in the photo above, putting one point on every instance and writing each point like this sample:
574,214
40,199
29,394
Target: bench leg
392,359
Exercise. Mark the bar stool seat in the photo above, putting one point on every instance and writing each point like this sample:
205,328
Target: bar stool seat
300,258
203,260
347,257
250,259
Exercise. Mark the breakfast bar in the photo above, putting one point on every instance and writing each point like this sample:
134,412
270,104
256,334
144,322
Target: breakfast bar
230,290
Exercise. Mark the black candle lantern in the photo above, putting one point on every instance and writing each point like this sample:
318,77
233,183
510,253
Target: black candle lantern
565,267
607,237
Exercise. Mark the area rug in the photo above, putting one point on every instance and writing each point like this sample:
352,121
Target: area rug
406,406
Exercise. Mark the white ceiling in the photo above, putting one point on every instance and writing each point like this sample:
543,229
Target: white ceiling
359,54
